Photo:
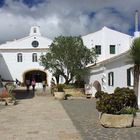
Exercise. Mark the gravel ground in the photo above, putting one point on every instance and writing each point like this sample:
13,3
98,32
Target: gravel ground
85,118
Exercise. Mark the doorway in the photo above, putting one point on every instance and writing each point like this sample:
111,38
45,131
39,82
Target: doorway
38,75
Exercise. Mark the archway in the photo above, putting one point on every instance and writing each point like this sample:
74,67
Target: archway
38,75
97,85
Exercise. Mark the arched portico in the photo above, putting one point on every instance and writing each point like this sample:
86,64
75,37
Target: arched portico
97,85
38,75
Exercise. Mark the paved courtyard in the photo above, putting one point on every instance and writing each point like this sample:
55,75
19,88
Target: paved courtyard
44,118
38,118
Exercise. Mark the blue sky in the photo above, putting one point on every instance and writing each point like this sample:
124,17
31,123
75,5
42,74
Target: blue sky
31,3
65,17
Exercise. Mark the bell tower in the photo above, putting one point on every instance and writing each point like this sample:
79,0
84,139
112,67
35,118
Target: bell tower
35,30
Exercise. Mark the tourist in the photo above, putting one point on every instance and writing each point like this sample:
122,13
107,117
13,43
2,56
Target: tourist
17,82
33,83
27,84
44,85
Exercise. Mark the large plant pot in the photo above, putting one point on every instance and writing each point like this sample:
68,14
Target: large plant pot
59,95
117,121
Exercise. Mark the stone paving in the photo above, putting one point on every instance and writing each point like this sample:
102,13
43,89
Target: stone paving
85,118
38,118
44,118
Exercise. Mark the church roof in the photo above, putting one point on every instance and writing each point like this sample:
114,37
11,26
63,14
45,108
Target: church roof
105,30
29,42
112,59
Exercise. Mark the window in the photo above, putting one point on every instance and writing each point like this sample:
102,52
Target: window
34,57
98,49
130,77
19,57
112,49
35,43
111,79
34,30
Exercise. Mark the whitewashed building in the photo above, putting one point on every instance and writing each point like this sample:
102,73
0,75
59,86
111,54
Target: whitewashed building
107,43
109,46
113,68
19,58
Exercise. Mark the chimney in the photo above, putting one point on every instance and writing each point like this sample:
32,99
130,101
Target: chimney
136,21
136,33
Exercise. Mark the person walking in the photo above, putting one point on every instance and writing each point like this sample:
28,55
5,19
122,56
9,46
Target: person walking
44,85
27,84
33,83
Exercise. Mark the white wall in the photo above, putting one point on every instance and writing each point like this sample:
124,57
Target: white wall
106,37
17,69
118,66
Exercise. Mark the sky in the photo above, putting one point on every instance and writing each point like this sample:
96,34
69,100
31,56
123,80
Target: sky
65,17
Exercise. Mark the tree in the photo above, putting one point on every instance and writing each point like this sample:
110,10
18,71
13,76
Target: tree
67,57
135,55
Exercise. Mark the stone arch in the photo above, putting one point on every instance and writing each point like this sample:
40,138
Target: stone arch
97,85
38,75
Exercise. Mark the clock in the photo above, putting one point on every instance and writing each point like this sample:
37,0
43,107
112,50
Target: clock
35,43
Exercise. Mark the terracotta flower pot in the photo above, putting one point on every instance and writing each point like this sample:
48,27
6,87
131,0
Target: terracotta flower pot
4,93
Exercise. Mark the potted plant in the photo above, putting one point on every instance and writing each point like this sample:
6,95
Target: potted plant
117,109
7,95
59,93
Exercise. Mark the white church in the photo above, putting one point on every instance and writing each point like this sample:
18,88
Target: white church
19,58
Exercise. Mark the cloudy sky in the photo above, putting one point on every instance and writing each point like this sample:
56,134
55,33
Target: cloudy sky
65,17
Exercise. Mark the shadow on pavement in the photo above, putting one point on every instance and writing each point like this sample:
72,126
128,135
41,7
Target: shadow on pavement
24,94
84,116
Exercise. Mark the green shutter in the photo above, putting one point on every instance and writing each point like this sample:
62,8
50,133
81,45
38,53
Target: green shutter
128,77
112,49
98,49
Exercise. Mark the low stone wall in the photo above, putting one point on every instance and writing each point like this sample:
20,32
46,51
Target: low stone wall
76,92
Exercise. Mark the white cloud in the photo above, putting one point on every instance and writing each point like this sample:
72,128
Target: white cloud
65,17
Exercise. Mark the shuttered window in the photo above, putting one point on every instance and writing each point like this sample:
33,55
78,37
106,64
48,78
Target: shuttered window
112,49
98,49
19,57
130,77
34,57
111,79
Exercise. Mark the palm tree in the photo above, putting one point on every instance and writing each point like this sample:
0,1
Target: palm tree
135,56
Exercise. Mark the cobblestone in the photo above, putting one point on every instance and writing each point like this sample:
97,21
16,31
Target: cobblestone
84,116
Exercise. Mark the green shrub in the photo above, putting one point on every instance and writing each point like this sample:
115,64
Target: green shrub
100,94
122,90
128,110
60,87
79,84
114,103
69,86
